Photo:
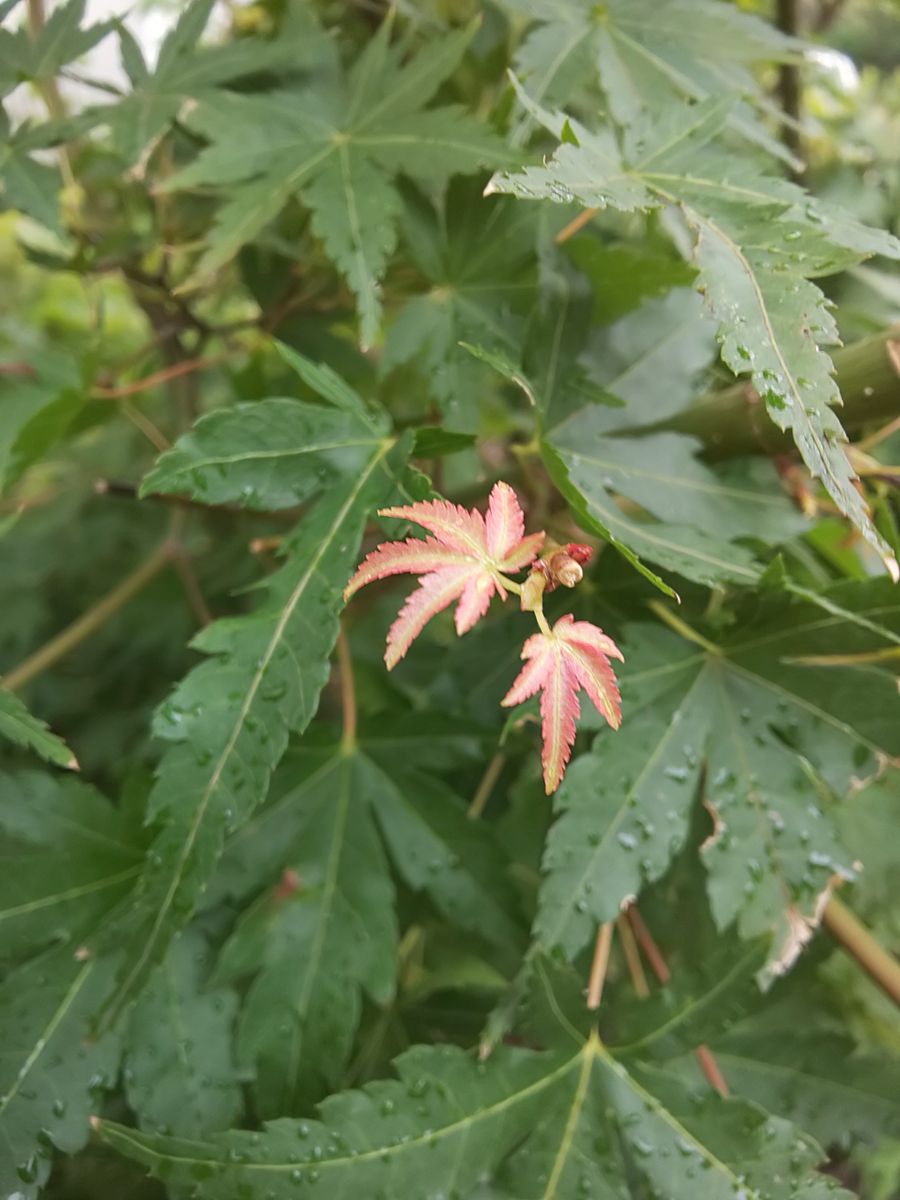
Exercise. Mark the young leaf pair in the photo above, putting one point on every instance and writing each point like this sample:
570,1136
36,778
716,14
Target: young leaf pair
467,558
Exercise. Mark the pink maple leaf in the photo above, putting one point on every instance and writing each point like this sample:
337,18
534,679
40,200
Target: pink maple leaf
573,656
464,560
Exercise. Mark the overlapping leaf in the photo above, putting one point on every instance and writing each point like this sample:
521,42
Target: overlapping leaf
649,54
477,260
813,1076
339,148
323,931
67,857
229,719
703,515
535,1126
39,407
19,726
324,934
652,358
37,56
185,71
437,850
51,1073
178,1050
756,244
761,719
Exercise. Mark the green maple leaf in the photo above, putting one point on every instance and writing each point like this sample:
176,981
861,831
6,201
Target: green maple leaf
758,718
17,724
51,1073
703,514
177,1046
676,527
339,147
757,240
866,821
323,931
649,55
533,1125
230,718
25,57
653,358
812,1074
325,935
477,257
26,184
68,857
185,71
38,410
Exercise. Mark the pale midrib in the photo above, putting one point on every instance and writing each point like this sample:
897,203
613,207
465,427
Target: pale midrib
412,139
829,474
540,91
798,406
665,69
255,684
356,238
571,1126
689,485
51,1027
392,95
237,234
97,885
381,1152
812,626
253,455
720,185
311,961
684,1014
664,1115
819,713
553,694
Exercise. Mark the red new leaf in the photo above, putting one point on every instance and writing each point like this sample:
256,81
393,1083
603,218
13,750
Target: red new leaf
573,656
464,559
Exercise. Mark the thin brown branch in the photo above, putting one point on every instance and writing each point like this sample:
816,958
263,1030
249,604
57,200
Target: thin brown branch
576,225
17,370
878,963
486,785
658,964
633,958
788,21
348,691
88,623
733,421
181,561
710,1067
599,965
186,367
265,545
49,90
829,11
142,422
705,1057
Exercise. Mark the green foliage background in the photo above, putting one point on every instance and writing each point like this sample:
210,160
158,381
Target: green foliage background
274,923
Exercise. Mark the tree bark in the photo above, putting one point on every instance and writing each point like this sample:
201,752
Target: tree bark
734,421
